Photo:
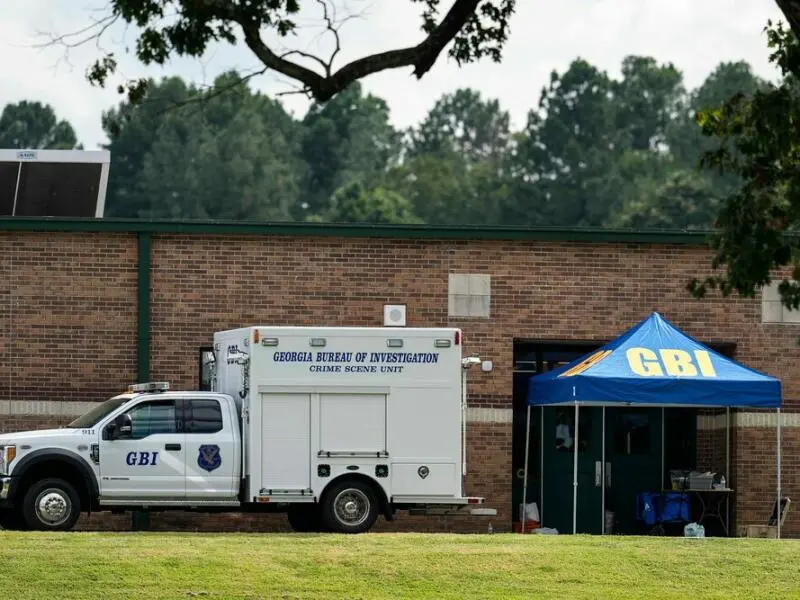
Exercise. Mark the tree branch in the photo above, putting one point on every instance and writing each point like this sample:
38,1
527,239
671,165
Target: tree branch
322,88
307,55
330,27
791,10
310,80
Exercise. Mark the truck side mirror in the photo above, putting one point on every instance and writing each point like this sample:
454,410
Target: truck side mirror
122,426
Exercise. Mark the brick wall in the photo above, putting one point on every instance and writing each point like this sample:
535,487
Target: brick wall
68,317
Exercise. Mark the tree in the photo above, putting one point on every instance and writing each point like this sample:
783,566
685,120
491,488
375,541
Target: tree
346,139
33,125
444,192
757,137
473,29
234,155
354,203
568,148
685,138
648,97
453,168
679,199
465,124
132,131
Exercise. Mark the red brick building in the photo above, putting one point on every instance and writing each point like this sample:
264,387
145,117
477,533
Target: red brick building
87,307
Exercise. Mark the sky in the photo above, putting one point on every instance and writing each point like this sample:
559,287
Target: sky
694,35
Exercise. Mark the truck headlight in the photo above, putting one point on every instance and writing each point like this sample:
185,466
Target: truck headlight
7,455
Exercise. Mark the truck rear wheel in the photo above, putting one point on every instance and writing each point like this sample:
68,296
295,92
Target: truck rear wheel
350,507
51,505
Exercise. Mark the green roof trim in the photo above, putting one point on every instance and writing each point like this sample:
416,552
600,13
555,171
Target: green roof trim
357,230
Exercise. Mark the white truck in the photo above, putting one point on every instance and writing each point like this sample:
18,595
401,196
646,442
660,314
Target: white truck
333,426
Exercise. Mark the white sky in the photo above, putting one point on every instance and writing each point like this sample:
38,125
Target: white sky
695,35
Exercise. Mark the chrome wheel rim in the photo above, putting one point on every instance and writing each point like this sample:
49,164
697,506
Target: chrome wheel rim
351,507
53,507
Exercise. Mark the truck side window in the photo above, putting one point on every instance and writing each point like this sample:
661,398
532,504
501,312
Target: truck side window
205,416
153,417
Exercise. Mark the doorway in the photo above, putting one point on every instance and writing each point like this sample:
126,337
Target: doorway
635,440
632,465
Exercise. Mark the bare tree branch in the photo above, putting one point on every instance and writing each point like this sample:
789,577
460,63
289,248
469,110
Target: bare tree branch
422,56
214,91
307,55
329,25
93,31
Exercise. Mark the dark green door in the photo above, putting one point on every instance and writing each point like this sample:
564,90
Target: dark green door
559,446
633,459
633,465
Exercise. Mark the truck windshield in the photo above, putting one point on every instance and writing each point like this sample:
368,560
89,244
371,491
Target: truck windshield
91,418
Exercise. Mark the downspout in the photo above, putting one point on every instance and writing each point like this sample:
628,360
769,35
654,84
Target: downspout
140,520
143,308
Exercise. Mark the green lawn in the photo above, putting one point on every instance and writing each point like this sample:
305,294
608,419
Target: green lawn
146,566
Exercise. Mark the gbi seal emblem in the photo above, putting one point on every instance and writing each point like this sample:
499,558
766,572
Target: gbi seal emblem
209,458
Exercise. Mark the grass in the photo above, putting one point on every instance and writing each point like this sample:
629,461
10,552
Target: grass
149,566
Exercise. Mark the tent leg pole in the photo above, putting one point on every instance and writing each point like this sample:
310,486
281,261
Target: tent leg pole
575,474
728,468
778,415
663,448
541,466
525,471
603,477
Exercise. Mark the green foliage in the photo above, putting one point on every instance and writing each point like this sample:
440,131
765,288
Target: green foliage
596,151
485,30
569,147
168,28
758,137
349,138
463,123
684,197
648,98
454,167
234,155
353,203
33,125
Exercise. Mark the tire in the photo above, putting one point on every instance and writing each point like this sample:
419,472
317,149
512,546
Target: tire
305,518
350,507
51,505
11,520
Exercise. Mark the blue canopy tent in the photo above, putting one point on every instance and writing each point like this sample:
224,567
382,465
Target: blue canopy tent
653,364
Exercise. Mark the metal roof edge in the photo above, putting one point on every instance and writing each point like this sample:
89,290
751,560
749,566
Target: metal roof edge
357,230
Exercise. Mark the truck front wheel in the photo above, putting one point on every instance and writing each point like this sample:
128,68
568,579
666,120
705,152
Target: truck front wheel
350,507
11,520
51,505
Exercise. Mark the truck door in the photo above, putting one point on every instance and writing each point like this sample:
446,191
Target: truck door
211,453
149,463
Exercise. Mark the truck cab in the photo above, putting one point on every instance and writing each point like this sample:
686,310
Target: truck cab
147,448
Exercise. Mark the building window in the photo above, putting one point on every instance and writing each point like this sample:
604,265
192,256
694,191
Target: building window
772,310
469,295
